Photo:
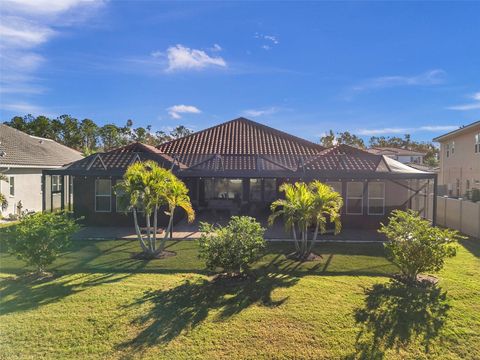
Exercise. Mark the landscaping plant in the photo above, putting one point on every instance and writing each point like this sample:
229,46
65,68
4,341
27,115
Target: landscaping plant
232,247
3,198
39,238
146,187
416,246
305,206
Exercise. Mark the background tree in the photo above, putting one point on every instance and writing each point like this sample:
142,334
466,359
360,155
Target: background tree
304,206
39,238
88,137
345,138
233,247
416,246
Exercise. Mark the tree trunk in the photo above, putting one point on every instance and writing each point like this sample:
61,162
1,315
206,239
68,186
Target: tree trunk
314,239
155,223
167,232
137,230
149,237
297,246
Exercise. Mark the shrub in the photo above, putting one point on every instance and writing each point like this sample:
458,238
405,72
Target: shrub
232,247
416,246
39,238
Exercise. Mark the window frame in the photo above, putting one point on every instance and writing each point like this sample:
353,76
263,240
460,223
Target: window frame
58,184
375,198
11,186
477,143
355,197
109,196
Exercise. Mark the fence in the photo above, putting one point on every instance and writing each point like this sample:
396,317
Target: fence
461,215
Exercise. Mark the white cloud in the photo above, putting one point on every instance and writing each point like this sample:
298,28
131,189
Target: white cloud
24,108
261,112
24,26
405,130
470,106
216,47
176,110
183,58
431,77
270,39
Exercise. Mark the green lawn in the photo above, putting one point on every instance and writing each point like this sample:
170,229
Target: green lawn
103,304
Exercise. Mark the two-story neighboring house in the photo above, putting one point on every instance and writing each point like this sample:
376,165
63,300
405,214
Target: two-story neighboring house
22,160
404,156
460,160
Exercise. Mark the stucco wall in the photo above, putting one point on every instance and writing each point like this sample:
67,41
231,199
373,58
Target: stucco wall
463,165
28,190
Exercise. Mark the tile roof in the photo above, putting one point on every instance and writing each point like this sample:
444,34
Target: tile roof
240,137
394,151
20,149
245,148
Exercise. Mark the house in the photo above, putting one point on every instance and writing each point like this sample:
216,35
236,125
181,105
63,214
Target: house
460,160
404,156
22,159
239,165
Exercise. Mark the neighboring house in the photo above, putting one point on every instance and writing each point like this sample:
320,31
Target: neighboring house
460,160
239,166
22,160
404,156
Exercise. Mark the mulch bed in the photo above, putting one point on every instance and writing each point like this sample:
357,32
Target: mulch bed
422,280
230,279
145,256
310,257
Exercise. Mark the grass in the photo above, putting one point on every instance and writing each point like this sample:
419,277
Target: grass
103,304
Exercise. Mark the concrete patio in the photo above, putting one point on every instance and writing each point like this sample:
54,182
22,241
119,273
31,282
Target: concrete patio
185,231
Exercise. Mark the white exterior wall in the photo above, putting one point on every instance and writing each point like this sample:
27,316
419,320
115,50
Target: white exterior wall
28,189
409,159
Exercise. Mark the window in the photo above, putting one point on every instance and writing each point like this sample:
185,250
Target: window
255,189
453,147
270,189
447,150
376,198
336,185
11,181
355,198
223,188
103,195
56,183
477,143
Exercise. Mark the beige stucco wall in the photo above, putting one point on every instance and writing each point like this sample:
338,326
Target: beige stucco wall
463,165
28,189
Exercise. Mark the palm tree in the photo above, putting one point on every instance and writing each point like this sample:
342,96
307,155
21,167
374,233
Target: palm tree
3,198
145,188
304,206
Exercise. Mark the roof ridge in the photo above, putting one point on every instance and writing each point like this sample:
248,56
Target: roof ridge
253,124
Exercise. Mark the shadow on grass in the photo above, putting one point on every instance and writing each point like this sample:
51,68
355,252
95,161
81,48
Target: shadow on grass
472,245
395,315
187,305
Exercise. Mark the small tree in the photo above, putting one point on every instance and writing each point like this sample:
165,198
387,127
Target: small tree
305,206
145,188
416,246
39,238
232,247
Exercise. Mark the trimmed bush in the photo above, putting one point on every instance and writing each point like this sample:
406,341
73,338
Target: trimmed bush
39,238
416,246
233,247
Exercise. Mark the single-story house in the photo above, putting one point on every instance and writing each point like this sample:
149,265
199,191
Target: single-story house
22,159
404,156
239,166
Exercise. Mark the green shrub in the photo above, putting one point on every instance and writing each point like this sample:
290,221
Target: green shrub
39,238
232,247
416,246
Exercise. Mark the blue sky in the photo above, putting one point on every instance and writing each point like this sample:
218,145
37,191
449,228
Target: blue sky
367,67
